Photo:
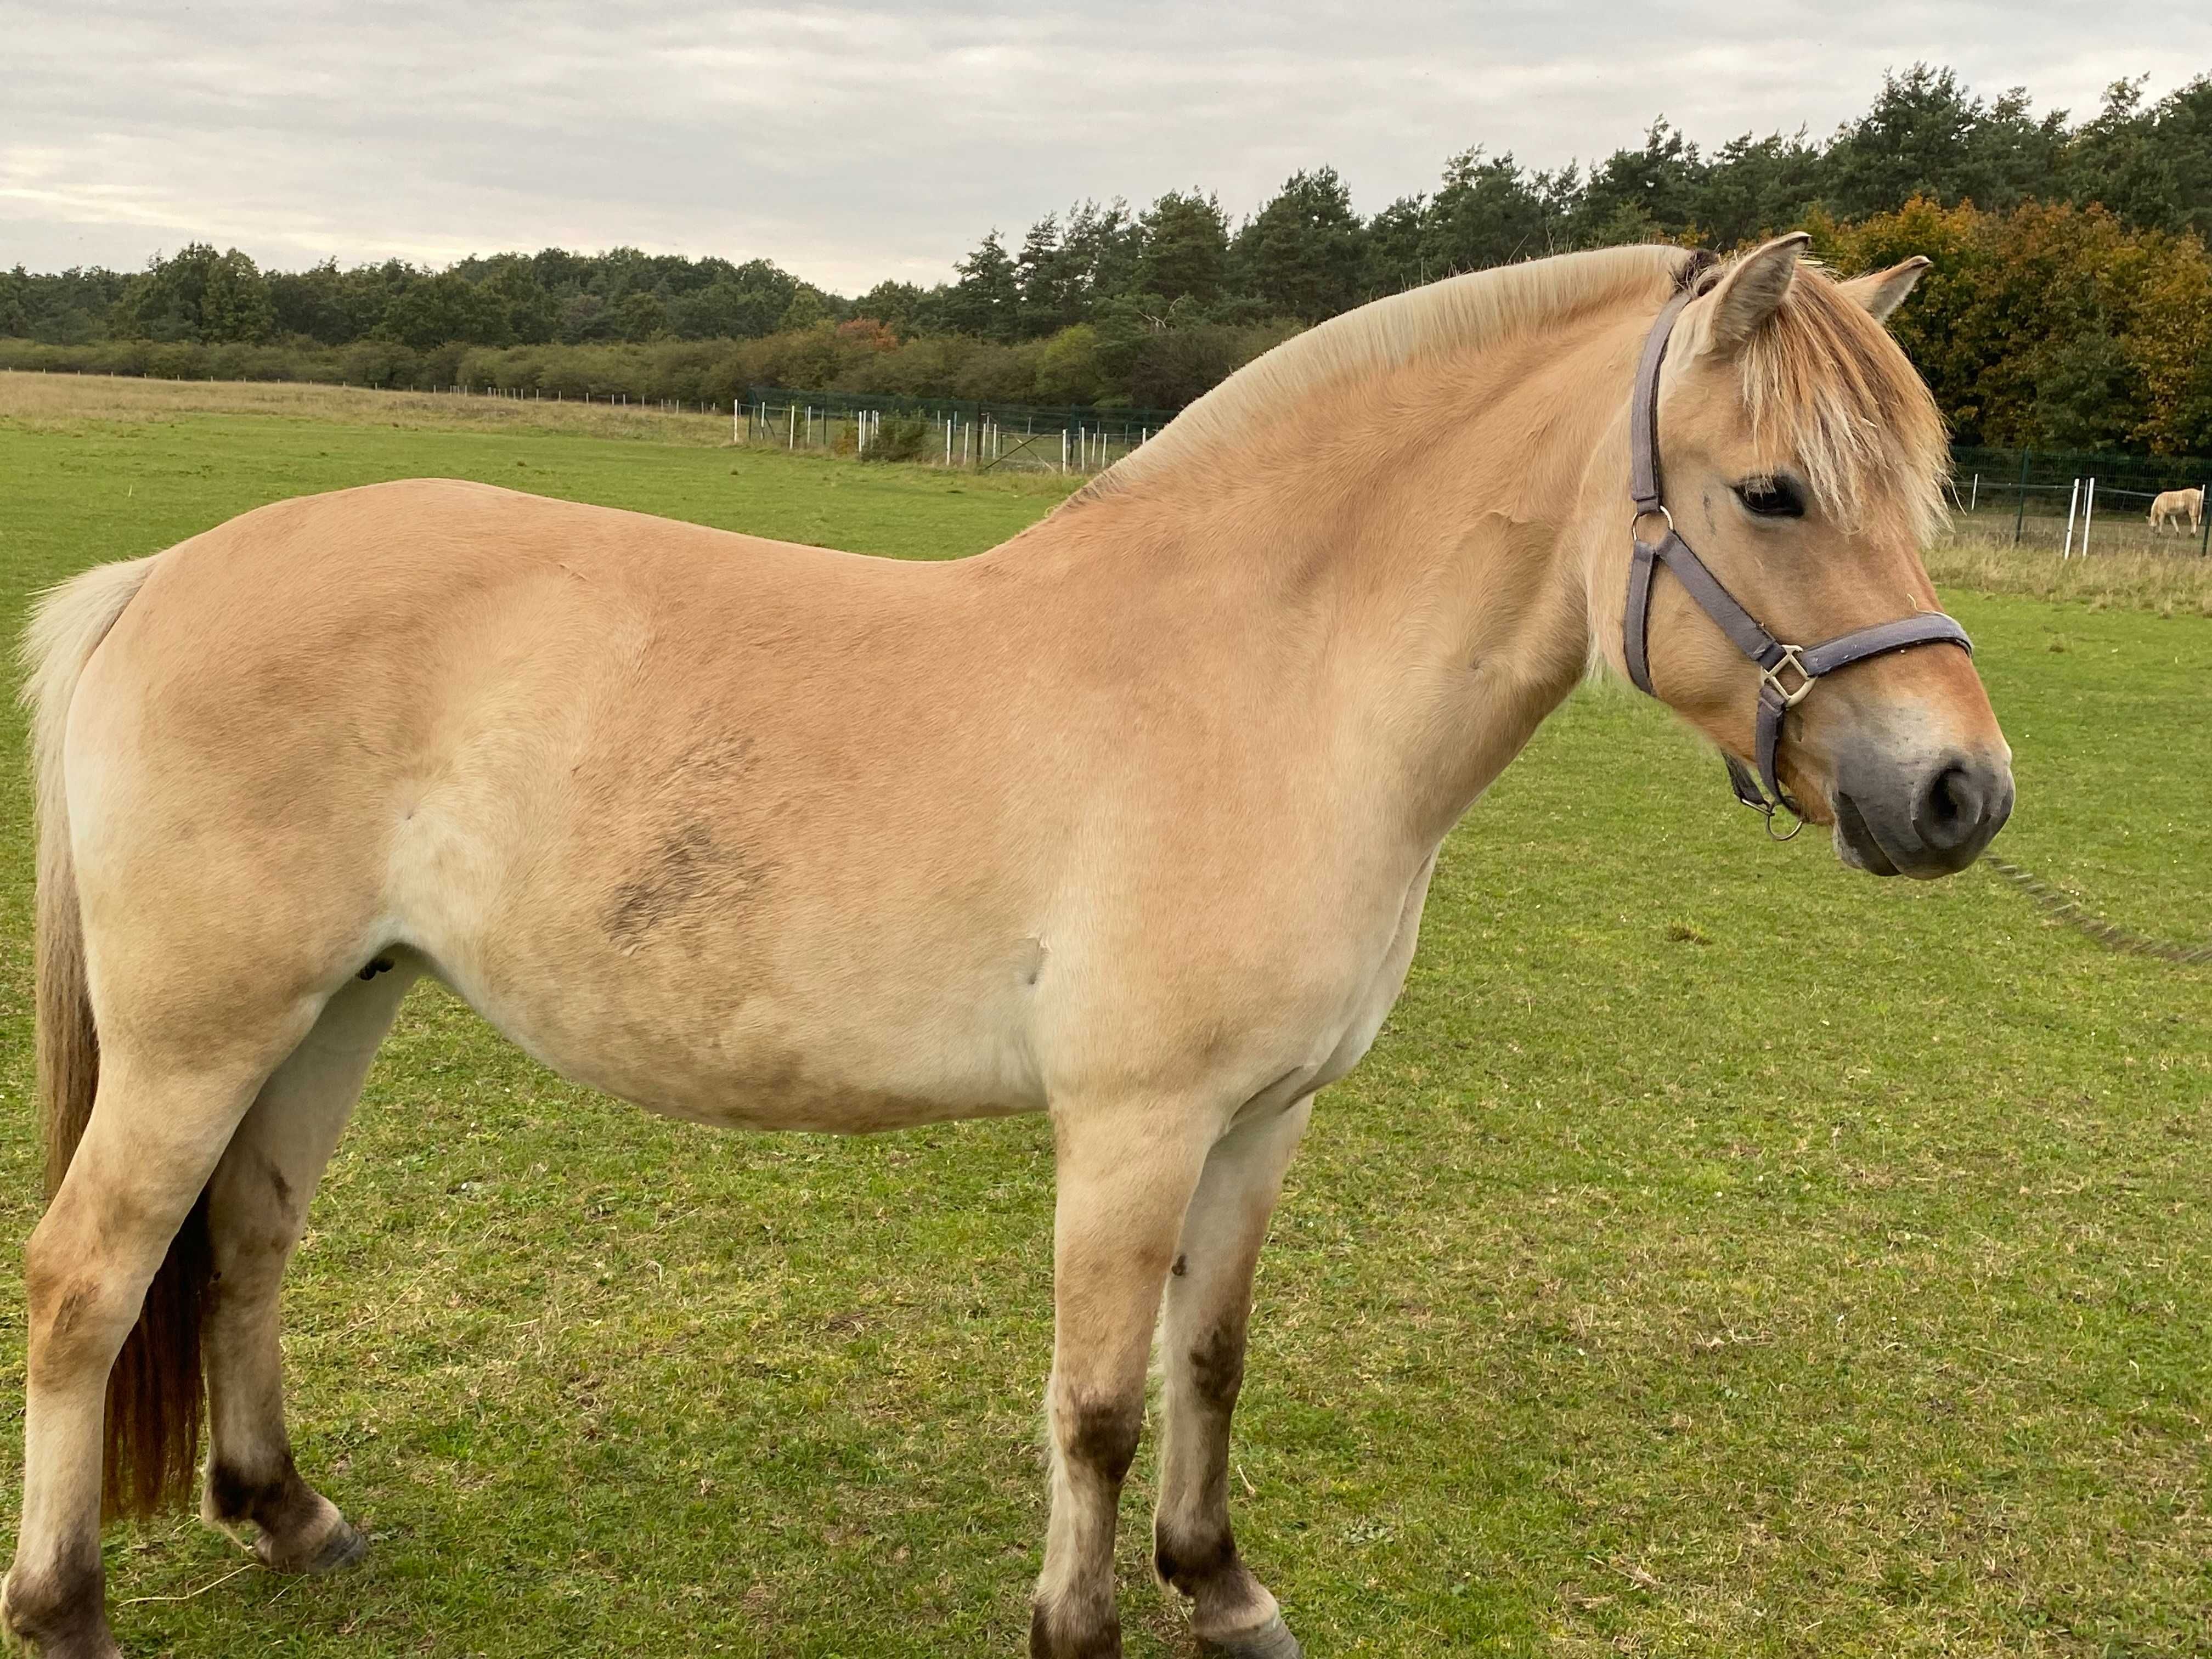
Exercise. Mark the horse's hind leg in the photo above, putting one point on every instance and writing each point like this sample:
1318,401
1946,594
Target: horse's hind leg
257,1210
158,1126
1209,1300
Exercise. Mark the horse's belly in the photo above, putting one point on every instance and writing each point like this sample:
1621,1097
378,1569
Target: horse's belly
768,1061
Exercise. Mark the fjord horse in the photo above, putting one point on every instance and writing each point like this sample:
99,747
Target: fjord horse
1128,820
2178,507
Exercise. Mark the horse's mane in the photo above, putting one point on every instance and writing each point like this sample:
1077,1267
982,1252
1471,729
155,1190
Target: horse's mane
1824,384
1460,311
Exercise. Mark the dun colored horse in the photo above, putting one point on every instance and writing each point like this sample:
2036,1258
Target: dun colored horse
1128,820
2172,507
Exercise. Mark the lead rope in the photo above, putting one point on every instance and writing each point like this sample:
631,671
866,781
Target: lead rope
2110,934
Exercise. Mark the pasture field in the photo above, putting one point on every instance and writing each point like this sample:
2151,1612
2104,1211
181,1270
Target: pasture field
1721,1253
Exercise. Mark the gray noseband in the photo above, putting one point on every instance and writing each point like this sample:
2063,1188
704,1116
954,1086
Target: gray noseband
1802,665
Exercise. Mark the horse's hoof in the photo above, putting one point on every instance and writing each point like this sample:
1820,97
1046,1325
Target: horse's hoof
1273,1640
344,1546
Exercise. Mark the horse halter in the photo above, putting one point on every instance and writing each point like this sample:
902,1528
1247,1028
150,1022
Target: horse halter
1786,673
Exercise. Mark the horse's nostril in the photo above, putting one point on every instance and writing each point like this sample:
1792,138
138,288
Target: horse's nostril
1950,809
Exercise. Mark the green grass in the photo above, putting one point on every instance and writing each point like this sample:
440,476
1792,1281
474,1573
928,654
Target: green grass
1720,1254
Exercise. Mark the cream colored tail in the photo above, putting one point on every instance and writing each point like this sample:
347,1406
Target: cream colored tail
153,1391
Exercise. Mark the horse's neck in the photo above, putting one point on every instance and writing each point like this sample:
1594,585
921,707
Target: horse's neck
1410,554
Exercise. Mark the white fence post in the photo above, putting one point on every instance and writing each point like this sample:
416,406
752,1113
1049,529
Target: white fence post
2088,512
2073,505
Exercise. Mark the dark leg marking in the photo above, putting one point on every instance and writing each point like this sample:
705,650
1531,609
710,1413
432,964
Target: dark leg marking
278,1183
1185,1565
1051,1637
299,1533
1216,1366
1102,1435
63,1611
1098,1436
1194,1552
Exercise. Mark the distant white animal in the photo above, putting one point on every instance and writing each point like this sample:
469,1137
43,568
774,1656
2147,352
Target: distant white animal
2175,505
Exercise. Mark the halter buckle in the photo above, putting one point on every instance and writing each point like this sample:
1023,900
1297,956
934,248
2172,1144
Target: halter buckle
1790,659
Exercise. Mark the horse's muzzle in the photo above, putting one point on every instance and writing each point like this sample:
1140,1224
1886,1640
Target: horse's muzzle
1933,821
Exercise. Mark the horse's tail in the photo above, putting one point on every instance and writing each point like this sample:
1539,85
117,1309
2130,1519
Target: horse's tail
154,1390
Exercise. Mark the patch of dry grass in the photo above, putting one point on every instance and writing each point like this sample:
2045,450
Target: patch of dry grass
2171,584
50,401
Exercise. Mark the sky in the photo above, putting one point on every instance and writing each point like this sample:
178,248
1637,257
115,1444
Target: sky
855,143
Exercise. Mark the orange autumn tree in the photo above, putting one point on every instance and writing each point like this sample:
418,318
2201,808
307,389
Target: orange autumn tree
2050,324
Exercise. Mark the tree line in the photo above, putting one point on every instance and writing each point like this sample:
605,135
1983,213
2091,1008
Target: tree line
2070,305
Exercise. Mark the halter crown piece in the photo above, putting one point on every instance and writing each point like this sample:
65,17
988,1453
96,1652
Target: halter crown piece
1787,672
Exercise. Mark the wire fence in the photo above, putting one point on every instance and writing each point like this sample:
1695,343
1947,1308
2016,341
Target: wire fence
2082,504
944,432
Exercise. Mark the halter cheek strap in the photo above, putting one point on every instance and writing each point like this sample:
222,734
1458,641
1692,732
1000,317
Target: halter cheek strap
1787,672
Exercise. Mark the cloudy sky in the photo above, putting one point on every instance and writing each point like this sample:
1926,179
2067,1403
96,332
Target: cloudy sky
851,144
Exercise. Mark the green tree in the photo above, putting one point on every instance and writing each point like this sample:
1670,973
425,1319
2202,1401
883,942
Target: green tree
197,294
1486,212
987,300
1928,136
905,308
441,310
1068,368
16,304
1183,251
1634,192
1395,239
1049,281
809,309
639,316
318,302
1755,187
2152,167
527,314
1303,254
1101,247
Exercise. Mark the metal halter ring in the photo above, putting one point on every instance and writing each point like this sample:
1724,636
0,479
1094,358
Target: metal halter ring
1772,676
1643,513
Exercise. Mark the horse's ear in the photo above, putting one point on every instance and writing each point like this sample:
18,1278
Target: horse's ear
1753,290
1882,291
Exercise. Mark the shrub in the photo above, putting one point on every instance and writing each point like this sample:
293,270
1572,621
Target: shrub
899,439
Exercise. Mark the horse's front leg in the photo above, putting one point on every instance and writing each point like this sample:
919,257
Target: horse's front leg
1209,1301
1127,1171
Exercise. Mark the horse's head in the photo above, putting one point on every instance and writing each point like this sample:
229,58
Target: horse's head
1800,459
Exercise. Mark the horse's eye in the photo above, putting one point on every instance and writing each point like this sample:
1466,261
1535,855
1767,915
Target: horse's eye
1772,498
